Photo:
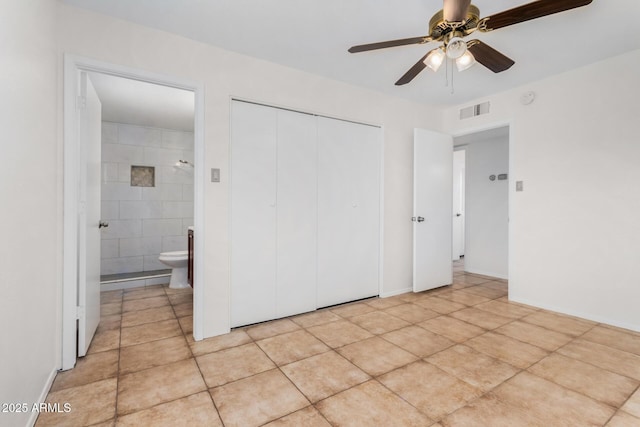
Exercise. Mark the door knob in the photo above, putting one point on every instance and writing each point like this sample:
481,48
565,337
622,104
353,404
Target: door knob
458,214
102,224
420,219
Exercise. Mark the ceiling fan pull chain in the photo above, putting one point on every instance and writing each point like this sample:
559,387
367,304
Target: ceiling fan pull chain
452,87
446,72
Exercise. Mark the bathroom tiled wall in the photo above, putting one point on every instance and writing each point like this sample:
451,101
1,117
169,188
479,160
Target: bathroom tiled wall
144,221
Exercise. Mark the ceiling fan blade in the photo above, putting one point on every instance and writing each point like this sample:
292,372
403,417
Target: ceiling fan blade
413,71
529,11
390,43
489,57
455,10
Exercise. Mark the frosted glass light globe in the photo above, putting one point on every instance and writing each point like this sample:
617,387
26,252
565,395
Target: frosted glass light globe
456,48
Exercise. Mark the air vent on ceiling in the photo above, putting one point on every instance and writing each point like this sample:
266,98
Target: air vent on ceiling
474,110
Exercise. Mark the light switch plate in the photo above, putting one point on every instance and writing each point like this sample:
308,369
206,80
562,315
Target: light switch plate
215,175
519,186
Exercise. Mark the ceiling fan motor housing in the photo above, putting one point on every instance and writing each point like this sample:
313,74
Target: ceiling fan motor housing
439,28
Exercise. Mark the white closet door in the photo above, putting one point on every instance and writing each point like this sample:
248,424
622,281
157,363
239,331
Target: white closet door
296,213
348,211
253,213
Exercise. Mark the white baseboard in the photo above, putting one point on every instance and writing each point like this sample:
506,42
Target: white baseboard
582,315
131,284
116,286
487,273
43,396
396,292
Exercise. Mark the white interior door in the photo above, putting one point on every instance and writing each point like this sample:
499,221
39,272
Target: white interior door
90,124
432,203
297,213
348,211
458,204
253,213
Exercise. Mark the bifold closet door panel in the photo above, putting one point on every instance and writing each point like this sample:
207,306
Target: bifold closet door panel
296,213
253,213
348,211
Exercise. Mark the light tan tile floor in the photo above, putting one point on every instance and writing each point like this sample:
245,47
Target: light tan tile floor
462,355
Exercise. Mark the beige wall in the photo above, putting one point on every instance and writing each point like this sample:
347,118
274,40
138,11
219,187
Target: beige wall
30,272
225,75
574,232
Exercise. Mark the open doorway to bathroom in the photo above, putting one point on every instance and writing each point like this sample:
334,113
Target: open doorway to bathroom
147,179
81,287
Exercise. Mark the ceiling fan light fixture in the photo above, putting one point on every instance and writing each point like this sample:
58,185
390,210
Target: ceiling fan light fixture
456,48
434,60
458,19
465,61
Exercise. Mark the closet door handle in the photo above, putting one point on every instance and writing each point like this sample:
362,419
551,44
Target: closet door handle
103,224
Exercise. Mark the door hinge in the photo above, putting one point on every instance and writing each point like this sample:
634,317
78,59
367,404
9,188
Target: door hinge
80,312
81,102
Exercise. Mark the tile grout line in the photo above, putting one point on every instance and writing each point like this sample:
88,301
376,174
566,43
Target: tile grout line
115,409
160,339
587,363
330,350
376,377
518,370
183,335
637,390
410,323
207,388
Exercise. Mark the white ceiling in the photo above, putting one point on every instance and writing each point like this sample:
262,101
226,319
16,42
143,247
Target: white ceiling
314,35
143,104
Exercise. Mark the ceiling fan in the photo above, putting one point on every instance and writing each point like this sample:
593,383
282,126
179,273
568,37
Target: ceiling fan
458,19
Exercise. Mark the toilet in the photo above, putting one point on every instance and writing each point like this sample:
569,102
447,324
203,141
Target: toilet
178,262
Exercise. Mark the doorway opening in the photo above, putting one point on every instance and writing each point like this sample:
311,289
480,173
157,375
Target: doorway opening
146,178
159,143
484,201
459,162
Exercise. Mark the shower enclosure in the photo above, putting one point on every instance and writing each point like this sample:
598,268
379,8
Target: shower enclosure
147,199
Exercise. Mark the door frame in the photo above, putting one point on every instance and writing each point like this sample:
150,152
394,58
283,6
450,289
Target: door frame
511,173
71,177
